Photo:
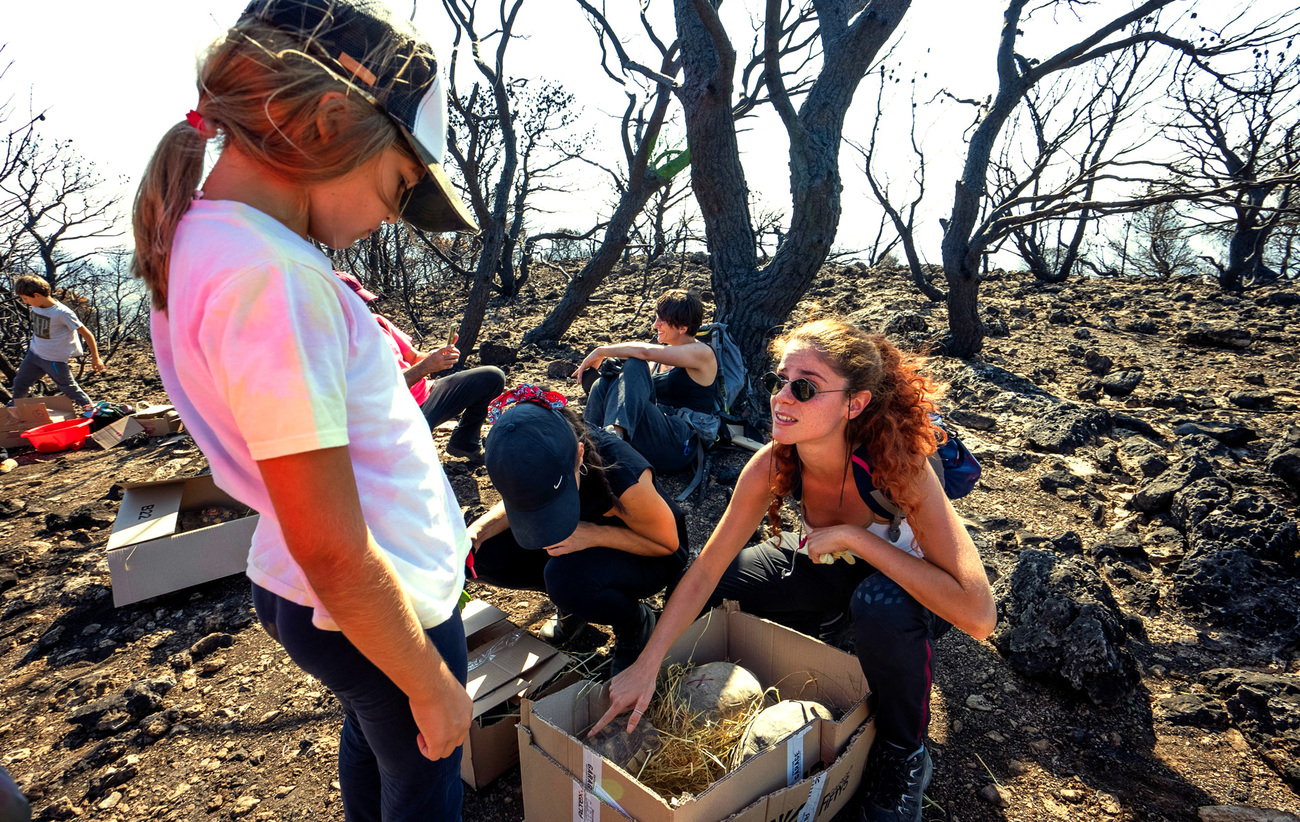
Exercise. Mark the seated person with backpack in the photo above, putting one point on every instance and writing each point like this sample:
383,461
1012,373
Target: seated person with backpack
645,405
465,394
581,519
850,414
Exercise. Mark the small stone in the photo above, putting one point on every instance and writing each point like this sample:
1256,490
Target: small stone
1070,795
1041,746
996,795
1017,768
244,804
979,702
996,737
957,726
111,801
215,802
1109,803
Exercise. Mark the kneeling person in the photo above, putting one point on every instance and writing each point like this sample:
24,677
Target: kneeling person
581,519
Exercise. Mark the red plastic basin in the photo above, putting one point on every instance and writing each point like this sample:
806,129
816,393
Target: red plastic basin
58,436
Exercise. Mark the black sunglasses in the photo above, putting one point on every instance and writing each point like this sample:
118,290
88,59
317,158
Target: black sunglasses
802,389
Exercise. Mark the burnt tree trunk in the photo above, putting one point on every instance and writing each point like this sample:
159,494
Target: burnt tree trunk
755,302
582,286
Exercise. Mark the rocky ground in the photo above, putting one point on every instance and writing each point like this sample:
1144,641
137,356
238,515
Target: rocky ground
1137,516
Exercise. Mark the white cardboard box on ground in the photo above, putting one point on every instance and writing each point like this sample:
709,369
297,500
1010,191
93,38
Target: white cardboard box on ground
565,780
146,557
32,412
159,420
505,663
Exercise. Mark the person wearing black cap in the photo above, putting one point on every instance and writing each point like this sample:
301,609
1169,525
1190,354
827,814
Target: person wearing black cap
330,116
580,519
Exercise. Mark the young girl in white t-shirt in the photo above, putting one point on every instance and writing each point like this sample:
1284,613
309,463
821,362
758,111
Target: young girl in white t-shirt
330,117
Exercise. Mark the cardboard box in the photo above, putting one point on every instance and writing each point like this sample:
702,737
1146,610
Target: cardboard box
30,412
159,420
146,557
506,664
565,780
113,433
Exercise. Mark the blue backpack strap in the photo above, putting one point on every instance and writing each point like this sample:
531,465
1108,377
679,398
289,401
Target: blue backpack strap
874,498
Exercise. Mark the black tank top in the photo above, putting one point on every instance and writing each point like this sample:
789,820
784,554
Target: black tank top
677,389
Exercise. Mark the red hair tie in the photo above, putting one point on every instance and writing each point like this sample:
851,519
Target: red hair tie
196,120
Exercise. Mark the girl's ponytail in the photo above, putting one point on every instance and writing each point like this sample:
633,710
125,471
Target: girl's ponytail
165,192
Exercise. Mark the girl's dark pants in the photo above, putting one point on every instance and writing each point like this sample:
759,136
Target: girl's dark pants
628,401
893,633
383,775
465,394
600,585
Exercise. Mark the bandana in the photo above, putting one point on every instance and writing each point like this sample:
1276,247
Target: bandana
525,393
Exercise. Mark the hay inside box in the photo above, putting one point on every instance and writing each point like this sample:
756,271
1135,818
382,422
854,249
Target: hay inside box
564,779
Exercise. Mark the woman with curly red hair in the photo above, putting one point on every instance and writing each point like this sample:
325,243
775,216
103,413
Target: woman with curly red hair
843,398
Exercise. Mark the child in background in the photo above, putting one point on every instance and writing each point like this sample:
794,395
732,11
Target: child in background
57,334
332,120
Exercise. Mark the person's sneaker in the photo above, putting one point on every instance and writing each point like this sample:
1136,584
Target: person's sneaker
564,630
472,452
8,465
629,642
894,783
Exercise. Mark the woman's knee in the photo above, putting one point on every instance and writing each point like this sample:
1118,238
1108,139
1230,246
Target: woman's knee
881,606
492,379
569,582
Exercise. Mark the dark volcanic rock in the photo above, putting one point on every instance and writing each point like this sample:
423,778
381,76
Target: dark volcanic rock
1202,335
1239,570
1057,618
1266,708
1117,545
1122,383
904,323
1197,710
492,353
972,420
120,710
1157,494
1251,399
94,515
1283,458
1174,401
1089,388
1096,362
1066,427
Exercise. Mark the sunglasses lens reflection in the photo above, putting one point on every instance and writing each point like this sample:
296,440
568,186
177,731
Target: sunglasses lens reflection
801,389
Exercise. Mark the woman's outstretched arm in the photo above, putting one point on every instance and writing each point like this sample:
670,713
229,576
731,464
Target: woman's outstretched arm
692,357
632,689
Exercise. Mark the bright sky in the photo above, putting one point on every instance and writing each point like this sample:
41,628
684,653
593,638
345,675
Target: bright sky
113,76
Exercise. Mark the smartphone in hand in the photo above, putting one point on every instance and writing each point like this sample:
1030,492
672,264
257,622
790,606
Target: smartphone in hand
451,335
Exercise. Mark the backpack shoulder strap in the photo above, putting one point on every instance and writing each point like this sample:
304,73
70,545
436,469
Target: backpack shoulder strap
874,498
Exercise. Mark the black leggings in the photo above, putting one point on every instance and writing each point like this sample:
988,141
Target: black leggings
600,585
894,634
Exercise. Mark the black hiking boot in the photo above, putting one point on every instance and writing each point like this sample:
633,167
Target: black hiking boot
894,783
629,641
564,630
470,450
